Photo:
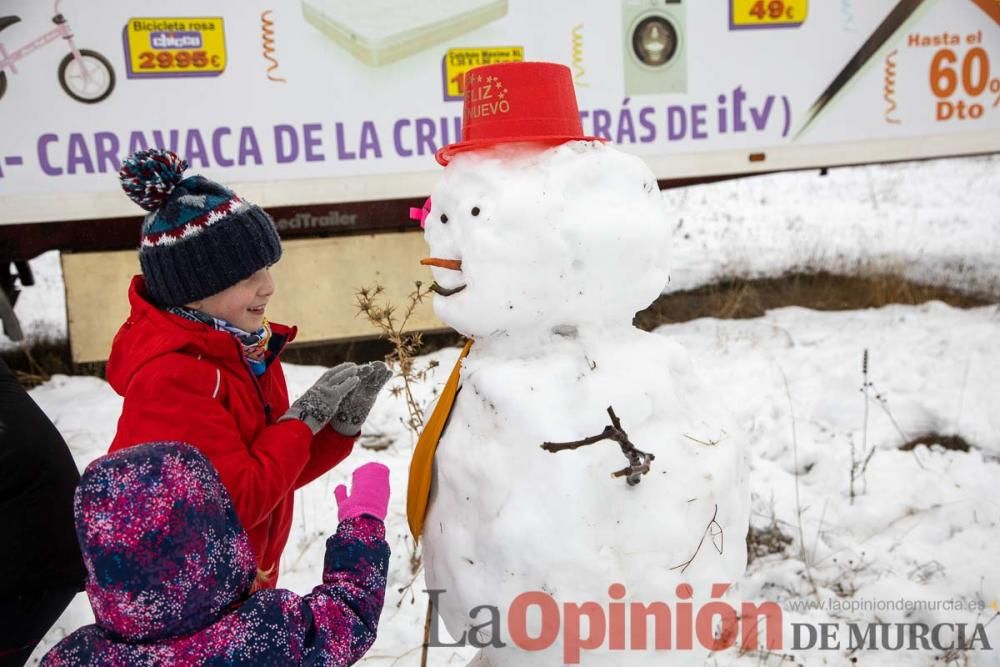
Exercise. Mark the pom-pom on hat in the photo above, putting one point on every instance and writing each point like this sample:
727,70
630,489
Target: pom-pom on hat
199,237
514,102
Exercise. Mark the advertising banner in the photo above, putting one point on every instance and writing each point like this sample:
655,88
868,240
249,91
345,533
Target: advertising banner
315,101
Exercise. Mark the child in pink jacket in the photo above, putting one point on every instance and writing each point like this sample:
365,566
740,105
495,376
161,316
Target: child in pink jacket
171,568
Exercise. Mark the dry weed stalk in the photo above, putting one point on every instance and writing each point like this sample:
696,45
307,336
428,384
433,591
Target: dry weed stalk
859,465
803,555
36,376
712,528
405,344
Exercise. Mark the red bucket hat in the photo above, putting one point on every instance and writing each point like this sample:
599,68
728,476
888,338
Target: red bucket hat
509,102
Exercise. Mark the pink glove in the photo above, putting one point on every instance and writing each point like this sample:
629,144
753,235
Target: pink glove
369,493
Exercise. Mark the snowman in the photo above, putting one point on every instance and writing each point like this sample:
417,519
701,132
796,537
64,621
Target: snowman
540,537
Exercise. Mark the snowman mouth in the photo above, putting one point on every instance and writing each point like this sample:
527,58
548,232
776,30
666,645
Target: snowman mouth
451,264
445,291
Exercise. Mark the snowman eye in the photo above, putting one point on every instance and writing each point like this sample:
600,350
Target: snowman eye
475,210
444,219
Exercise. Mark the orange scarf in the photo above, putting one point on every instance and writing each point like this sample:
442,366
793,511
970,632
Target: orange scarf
422,465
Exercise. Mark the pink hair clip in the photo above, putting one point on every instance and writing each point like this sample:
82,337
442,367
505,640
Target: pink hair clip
421,213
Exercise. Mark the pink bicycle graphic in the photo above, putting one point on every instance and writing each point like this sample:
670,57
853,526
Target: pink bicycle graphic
84,75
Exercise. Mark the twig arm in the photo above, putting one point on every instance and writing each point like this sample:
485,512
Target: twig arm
639,461
553,447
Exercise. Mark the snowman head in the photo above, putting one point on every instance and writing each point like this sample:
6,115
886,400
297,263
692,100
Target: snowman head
525,238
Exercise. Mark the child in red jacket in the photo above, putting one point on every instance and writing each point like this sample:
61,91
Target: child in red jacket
198,362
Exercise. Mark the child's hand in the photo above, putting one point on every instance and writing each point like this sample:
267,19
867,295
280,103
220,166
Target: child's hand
369,493
317,406
354,409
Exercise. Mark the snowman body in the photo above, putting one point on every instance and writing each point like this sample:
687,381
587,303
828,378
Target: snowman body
558,249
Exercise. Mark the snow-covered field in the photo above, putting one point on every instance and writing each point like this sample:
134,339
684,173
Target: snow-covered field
923,524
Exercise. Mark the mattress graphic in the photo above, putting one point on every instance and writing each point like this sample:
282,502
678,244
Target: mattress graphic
378,32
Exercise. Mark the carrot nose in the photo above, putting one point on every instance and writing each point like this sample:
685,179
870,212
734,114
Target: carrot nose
453,264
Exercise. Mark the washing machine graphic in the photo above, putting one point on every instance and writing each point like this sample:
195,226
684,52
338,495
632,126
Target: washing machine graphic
655,46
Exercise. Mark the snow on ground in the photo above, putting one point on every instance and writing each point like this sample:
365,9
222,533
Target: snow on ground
935,221
41,308
923,525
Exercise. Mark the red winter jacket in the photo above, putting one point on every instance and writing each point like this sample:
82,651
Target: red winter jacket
183,381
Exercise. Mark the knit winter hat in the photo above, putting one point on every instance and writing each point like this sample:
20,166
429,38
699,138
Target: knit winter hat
199,237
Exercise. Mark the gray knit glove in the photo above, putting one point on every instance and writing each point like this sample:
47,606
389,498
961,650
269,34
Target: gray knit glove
317,406
355,407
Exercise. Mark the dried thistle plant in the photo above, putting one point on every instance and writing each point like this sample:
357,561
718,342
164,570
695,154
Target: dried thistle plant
406,345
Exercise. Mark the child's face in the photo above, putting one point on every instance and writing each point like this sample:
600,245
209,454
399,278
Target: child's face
243,304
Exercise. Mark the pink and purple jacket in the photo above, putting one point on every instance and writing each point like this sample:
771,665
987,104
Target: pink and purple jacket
170,569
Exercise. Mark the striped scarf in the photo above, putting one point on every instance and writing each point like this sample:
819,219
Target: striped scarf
254,344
